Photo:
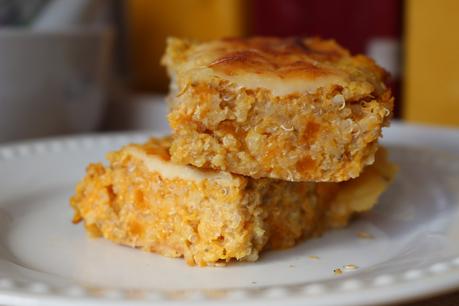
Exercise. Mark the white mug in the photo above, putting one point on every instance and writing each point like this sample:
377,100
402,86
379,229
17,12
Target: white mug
52,82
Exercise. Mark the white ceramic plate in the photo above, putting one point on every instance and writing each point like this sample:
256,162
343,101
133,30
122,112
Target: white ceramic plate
46,260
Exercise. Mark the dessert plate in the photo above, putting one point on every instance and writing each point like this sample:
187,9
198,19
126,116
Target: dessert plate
407,248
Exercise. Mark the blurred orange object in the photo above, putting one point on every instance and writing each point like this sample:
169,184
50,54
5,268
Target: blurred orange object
149,22
432,64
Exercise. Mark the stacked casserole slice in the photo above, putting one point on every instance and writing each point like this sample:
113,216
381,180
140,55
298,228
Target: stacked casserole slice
275,140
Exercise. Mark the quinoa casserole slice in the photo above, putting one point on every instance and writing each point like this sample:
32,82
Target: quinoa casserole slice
297,109
142,199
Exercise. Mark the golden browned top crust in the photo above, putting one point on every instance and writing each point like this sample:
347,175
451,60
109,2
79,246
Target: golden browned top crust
285,58
285,66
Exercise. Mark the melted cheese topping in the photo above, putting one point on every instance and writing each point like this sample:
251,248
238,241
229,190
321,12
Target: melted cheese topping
169,170
280,87
283,66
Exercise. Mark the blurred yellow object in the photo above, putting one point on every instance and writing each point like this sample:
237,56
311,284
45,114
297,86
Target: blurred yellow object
149,22
432,62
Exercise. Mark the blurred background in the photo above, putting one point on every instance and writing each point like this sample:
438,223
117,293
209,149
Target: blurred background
77,66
